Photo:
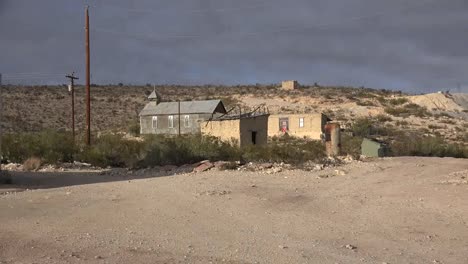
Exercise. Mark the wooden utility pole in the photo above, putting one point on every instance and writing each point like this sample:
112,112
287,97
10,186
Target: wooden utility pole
72,91
179,115
88,82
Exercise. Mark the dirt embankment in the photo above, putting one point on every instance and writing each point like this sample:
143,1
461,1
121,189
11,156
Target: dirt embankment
395,210
441,102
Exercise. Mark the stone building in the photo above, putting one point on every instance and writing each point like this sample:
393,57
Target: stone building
248,129
310,126
289,85
173,118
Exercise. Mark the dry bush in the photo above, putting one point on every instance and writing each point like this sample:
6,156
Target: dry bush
32,164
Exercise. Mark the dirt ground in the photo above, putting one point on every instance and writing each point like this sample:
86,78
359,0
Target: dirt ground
395,210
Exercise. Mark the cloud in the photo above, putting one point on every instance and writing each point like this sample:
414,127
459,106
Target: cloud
405,45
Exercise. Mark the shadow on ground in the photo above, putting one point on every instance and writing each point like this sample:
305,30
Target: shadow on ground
47,180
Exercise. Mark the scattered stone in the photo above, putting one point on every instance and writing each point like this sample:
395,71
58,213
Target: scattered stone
97,257
351,247
265,166
282,247
340,172
168,168
203,167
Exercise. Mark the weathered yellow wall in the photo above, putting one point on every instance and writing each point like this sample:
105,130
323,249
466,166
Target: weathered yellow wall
289,85
258,124
313,125
226,130
239,130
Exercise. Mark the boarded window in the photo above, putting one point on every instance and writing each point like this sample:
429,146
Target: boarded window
187,121
155,122
170,121
301,122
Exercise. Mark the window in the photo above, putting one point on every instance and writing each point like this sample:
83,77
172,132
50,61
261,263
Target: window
187,121
284,124
301,122
170,121
155,122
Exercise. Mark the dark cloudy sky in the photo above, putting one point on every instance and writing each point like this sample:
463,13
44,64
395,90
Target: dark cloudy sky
410,45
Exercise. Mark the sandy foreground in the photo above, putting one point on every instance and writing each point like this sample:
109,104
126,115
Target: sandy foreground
395,210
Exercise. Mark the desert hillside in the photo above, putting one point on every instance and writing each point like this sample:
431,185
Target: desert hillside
35,108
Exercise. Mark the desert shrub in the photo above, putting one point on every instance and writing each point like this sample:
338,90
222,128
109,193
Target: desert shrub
286,149
351,145
382,100
434,127
32,164
383,118
442,114
398,101
450,122
365,103
402,123
408,110
134,129
113,150
362,127
51,146
187,149
415,145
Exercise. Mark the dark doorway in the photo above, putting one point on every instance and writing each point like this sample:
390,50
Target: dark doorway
254,137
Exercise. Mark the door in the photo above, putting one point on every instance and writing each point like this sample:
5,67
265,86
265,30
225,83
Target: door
254,137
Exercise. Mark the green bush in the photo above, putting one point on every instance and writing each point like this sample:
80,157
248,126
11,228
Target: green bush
415,145
50,146
408,110
398,101
286,149
113,150
134,129
351,145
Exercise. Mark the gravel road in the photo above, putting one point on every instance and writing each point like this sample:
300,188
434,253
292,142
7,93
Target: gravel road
393,210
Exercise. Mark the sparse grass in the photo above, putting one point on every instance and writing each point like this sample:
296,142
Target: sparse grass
383,118
434,127
401,123
398,101
408,110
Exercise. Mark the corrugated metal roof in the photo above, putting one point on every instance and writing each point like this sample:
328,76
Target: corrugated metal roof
187,107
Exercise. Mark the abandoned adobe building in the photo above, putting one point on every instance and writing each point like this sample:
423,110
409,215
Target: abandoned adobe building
211,118
173,118
310,126
246,129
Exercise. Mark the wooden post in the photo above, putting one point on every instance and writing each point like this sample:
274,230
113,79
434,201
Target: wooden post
179,115
72,91
88,81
